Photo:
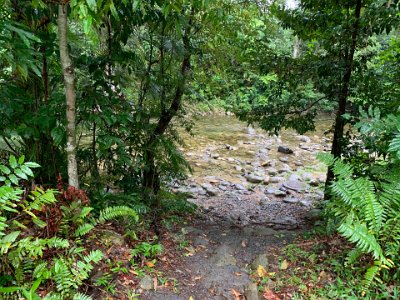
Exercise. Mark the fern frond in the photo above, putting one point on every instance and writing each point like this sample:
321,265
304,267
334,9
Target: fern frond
113,212
342,170
353,256
341,189
370,276
83,229
358,234
326,158
80,296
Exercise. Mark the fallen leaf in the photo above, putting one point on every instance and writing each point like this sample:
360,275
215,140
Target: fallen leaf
244,244
238,274
261,272
155,282
236,294
198,277
284,265
149,264
270,295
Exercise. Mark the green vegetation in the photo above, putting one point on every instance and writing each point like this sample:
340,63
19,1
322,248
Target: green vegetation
96,93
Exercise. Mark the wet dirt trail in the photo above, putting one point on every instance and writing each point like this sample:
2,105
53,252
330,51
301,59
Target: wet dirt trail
254,192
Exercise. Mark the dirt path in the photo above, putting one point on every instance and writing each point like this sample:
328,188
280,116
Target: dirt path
220,260
254,193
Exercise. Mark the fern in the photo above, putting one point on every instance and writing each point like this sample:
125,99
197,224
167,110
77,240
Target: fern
80,296
358,233
83,229
370,276
110,213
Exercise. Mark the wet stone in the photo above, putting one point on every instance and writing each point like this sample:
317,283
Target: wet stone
279,193
295,185
276,179
285,150
272,172
146,283
270,190
284,169
291,200
304,139
284,159
253,178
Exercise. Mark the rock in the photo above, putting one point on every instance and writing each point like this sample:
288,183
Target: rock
307,176
285,150
304,147
287,221
215,155
304,139
239,187
291,200
284,169
253,178
266,163
228,147
295,177
270,190
279,193
284,159
314,182
260,260
197,191
230,159
272,172
146,283
295,185
314,215
109,237
251,292
305,203
239,168
223,256
210,190
276,179
298,163
266,179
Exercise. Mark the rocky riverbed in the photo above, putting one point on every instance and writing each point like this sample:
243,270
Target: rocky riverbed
243,176
254,192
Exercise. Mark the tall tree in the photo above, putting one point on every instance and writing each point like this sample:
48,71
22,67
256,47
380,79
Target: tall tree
70,95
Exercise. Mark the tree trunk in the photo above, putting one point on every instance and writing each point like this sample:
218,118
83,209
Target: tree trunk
151,180
69,83
338,141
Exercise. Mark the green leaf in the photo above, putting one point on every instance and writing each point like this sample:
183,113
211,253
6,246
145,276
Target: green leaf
13,161
27,170
21,159
5,170
92,5
57,135
32,165
39,222
20,174
13,179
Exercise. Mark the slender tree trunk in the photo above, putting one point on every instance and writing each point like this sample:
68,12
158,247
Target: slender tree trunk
69,83
338,141
296,47
151,180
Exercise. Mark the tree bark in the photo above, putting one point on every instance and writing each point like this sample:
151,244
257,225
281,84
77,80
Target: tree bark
338,143
69,83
